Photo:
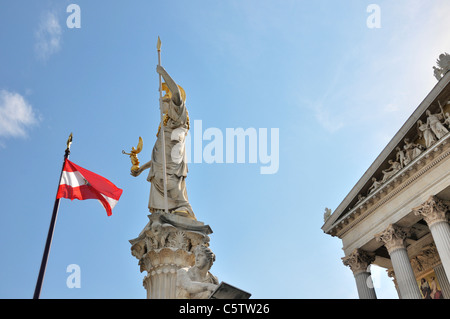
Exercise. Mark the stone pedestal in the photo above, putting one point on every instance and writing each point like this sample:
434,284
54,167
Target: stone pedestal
164,246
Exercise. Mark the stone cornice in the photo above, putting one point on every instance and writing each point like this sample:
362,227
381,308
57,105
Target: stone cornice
423,163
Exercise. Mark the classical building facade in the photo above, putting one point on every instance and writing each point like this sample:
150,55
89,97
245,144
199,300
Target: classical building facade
396,216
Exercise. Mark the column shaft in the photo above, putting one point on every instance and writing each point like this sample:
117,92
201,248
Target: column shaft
443,281
359,262
393,238
364,285
404,274
441,235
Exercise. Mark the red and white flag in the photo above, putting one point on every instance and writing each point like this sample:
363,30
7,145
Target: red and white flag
79,183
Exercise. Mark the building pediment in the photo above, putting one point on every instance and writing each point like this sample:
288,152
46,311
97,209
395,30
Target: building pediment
411,150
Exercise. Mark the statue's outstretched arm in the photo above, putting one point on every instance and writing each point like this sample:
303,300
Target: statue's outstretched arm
141,169
173,87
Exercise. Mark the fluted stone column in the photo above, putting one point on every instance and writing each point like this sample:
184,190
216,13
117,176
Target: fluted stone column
434,212
394,240
359,262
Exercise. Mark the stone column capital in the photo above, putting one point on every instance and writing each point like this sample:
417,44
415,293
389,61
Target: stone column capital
358,261
432,211
393,237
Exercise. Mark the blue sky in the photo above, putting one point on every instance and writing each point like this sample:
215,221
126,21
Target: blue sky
335,89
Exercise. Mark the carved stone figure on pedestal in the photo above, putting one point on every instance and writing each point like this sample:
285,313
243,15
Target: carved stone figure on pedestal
197,282
175,126
173,248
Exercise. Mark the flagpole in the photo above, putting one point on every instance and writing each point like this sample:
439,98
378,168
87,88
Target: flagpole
163,140
37,291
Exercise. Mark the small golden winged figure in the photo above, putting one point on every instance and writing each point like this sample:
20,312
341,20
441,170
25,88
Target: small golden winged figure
133,155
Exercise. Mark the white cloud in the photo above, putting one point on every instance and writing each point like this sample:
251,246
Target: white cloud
16,115
48,36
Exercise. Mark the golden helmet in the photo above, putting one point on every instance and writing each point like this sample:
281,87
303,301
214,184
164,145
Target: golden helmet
169,94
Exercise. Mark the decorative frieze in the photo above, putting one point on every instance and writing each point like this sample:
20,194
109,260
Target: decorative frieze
374,201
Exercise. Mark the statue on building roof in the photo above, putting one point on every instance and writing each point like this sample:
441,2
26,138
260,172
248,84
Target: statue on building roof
443,66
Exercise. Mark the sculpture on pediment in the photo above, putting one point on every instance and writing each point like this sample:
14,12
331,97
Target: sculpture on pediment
434,122
425,132
447,119
391,171
412,150
375,185
400,156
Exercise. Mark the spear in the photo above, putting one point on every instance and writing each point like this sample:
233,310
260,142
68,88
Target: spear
166,204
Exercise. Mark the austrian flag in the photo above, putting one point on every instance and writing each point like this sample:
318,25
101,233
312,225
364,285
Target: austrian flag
79,183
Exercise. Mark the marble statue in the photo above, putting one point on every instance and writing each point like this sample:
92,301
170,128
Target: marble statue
425,132
197,282
443,66
400,156
391,171
326,214
437,73
434,122
447,119
375,185
412,150
175,126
